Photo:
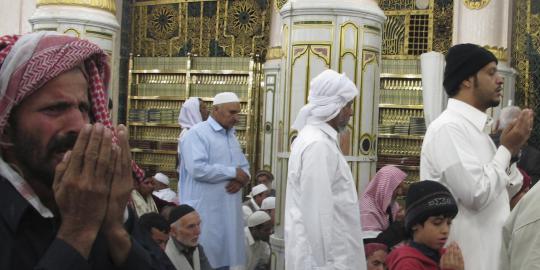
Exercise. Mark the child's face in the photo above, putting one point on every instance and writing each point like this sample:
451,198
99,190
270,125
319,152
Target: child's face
376,260
433,233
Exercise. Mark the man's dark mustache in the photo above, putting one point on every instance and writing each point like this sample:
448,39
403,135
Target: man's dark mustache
62,143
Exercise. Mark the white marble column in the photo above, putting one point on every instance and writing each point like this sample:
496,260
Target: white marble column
345,36
15,14
92,20
272,92
488,24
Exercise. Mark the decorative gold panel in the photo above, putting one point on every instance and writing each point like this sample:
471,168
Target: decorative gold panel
526,58
408,32
442,25
201,27
476,4
280,3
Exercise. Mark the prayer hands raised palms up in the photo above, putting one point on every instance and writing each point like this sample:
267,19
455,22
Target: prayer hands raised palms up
122,181
452,259
82,185
517,133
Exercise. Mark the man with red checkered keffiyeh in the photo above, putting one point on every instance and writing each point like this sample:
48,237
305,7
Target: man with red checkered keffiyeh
65,172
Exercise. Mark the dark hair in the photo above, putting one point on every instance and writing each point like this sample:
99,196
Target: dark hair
153,220
422,221
264,172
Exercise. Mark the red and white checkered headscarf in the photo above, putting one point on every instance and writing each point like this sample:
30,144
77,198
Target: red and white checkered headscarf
378,197
28,62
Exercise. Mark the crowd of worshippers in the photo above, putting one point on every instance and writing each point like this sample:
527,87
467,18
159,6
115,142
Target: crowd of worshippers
73,198
176,228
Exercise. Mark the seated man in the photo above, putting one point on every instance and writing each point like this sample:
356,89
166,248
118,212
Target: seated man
183,248
64,179
267,178
257,235
162,190
269,206
256,196
142,200
157,227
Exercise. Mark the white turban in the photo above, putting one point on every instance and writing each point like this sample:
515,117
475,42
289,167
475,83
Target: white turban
329,93
190,113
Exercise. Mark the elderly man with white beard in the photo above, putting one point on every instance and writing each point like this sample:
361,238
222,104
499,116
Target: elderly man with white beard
322,216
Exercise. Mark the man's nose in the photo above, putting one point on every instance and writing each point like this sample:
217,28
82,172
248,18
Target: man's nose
75,121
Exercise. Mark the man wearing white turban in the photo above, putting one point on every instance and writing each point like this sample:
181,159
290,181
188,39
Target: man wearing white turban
193,111
322,216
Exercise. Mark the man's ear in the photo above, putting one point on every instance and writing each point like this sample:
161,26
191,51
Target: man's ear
6,136
469,82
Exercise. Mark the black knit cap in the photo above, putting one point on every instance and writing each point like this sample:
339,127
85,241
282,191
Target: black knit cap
463,61
426,199
179,211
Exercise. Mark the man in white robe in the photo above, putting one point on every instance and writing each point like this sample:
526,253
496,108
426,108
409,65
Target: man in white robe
322,215
256,196
213,171
258,230
458,152
192,112
162,189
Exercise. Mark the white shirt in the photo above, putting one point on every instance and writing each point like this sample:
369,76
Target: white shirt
166,194
322,215
257,252
520,234
458,152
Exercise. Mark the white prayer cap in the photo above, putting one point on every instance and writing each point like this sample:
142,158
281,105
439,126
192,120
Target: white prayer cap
329,92
258,189
225,97
269,203
258,218
162,178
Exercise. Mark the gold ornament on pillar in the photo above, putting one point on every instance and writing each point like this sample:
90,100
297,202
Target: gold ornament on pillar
499,52
280,3
476,4
107,5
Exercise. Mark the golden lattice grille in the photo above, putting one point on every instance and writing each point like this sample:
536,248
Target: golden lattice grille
418,42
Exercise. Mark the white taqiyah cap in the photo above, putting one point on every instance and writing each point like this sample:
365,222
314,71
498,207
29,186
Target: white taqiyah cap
162,178
268,203
225,97
258,218
258,189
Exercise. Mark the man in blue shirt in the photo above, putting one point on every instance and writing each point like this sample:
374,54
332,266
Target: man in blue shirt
213,171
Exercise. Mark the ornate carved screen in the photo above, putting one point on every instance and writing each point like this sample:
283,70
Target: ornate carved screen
205,28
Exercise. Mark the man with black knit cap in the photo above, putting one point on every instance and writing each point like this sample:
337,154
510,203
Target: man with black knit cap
430,210
458,152
183,247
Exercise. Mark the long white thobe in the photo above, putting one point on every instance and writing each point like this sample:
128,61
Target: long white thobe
322,215
166,194
210,156
458,152
521,240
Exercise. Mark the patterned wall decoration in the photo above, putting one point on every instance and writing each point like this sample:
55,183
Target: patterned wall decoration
442,25
203,27
414,27
407,31
526,59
